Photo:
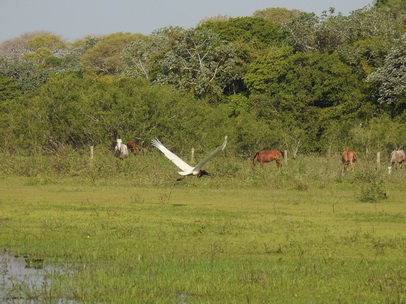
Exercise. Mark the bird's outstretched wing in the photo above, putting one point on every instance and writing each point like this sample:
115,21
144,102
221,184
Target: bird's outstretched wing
173,157
212,154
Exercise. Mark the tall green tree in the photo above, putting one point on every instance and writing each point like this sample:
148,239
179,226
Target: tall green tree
304,90
12,49
301,32
105,56
362,38
299,80
43,47
251,36
199,62
71,61
366,37
138,58
390,79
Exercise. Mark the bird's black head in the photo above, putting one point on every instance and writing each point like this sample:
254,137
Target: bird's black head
203,172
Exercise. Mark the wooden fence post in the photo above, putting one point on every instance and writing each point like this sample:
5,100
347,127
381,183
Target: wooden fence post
285,156
378,161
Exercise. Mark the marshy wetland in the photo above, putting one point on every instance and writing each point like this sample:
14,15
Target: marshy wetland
300,234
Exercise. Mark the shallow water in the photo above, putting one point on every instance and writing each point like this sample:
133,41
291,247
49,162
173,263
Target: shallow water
25,281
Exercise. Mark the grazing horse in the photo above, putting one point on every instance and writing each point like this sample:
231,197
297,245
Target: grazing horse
348,157
132,145
121,149
266,156
396,157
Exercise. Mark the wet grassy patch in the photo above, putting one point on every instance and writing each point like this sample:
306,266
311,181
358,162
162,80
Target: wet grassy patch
192,243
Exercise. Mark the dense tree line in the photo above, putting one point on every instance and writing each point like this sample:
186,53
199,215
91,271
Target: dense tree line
280,78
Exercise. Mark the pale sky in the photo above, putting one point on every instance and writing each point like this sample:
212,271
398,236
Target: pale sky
74,19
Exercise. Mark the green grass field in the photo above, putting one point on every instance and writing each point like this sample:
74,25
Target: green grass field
303,234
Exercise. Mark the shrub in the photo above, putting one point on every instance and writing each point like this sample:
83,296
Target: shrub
374,188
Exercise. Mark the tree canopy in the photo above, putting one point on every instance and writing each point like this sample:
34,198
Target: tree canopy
280,78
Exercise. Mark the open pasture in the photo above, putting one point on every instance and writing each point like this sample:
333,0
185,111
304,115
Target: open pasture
301,234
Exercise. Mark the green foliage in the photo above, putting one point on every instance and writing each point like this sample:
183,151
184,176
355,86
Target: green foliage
249,30
71,61
198,62
380,134
251,37
277,14
43,47
374,189
366,54
49,41
29,43
79,112
362,38
282,78
262,73
304,91
28,75
335,136
301,31
104,57
138,57
8,89
391,77
299,80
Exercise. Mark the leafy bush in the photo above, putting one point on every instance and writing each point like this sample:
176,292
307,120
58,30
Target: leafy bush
373,190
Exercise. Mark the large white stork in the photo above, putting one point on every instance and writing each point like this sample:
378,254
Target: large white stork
187,169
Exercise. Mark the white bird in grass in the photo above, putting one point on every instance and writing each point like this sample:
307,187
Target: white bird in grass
187,169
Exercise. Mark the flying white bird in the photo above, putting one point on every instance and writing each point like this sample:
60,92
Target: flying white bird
187,169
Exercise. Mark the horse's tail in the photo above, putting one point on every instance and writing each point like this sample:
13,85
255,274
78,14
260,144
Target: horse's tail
254,160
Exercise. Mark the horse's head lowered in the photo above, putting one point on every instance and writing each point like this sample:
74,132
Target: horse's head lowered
119,142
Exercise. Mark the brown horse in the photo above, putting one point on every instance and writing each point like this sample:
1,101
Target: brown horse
266,156
132,145
397,157
348,157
